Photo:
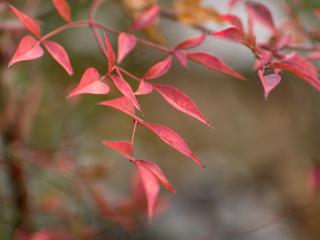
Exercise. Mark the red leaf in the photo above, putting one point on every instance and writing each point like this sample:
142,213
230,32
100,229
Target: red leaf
159,69
144,88
192,42
215,63
234,20
90,83
150,185
314,55
158,173
301,67
63,9
125,89
314,179
123,147
232,3
182,57
260,13
232,34
269,82
146,19
28,22
110,54
317,12
28,49
173,139
59,54
126,43
122,104
180,101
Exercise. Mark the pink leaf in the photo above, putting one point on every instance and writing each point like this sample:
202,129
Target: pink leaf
259,12
125,89
28,22
158,173
159,69
173,139
215,63
314,179
150,185
126,43
233,20
180,101
314,55
28,49
123,147
59,54
232,3
181,57
63,9
232,34
192,42
301,67
110,54
144,88
146,19
269,82
122,104
90,83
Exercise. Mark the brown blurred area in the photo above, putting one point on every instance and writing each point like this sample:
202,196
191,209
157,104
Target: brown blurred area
258,157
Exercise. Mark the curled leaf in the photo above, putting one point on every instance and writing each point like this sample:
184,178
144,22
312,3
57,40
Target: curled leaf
63,9
123,147
180,101
215,63
28,49
126,43
150,185
301,67
28,22
146,19
125,89
259,12
90,83
144,88
110,54
173,139
232,34
159,69
269,82
192,42
59,54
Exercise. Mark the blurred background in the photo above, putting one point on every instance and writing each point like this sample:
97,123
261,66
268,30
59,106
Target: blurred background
258,158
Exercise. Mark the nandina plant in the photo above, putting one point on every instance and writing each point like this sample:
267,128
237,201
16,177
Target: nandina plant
281,52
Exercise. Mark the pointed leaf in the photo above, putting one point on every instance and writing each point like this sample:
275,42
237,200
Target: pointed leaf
232,34
110,54
301,67
159,69
192,42
122,104
63,9
180,101
59,54
28,49
123,147
215,63
28,22
146,19
158,173
233,20
150,185
90,83
181,57
144,88
126,43
173,139
259,12
269,82
125,89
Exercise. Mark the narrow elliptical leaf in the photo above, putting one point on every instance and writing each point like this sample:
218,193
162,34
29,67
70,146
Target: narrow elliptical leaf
159,69
126,43
146,19
123,147
63,9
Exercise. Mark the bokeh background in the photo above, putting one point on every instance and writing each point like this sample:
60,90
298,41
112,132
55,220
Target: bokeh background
258,158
